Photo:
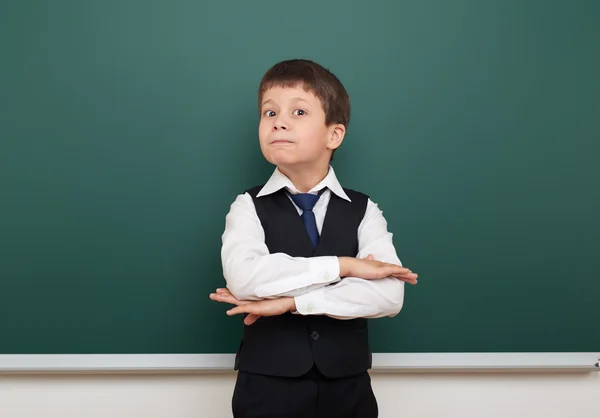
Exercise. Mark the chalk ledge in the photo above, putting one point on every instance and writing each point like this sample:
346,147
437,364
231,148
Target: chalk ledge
223,363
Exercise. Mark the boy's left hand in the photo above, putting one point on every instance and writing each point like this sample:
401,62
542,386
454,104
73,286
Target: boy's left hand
254,309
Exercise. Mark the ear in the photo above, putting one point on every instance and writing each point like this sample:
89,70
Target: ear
337,136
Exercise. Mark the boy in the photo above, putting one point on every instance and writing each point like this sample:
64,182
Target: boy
306,261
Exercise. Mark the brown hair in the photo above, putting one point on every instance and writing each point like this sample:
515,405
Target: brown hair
315,78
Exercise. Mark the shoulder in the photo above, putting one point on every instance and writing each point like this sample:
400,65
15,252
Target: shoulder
371,209
244,202
358,205
247,201
253,192
356,196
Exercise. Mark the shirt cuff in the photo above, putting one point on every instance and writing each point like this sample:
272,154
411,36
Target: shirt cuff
311,303
325,269
321,271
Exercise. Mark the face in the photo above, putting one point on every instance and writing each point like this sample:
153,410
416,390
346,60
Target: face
292,128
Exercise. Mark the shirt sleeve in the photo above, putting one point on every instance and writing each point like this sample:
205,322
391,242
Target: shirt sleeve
354,297
252,273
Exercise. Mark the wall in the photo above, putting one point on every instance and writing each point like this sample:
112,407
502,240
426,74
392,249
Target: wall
473,395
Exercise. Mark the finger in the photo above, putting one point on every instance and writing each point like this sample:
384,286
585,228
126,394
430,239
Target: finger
411,280
226,299
219,298
369,257
223,291
251,319
246,308
398,270
406,276
230,299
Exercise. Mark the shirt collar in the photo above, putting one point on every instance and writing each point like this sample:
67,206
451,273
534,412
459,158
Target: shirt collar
279,181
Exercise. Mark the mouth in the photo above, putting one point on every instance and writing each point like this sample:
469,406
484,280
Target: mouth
281,141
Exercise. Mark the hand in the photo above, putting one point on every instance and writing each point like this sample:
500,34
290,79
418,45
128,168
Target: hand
266,307
254,309
368,268
224,295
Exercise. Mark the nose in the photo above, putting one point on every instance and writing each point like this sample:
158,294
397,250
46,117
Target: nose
280,124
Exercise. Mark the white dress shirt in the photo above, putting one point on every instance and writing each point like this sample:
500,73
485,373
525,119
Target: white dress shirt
252,273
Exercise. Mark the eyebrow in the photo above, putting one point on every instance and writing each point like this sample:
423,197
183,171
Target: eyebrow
297,99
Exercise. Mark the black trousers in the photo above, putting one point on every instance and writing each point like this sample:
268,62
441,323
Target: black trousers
309,396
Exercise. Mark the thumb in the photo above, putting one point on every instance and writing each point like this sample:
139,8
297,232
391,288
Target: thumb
251,319
369,257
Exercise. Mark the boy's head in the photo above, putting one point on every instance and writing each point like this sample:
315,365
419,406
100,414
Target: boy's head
304,112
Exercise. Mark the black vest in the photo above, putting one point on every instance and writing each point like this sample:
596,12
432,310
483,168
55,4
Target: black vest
290,344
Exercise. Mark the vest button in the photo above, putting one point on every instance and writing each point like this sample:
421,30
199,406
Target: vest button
315,335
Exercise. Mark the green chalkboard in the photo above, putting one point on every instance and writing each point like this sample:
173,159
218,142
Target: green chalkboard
128,127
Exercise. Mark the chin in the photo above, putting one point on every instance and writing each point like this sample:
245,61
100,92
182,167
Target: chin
281,158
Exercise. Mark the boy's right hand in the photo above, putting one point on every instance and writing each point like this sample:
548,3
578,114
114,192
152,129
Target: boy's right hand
368,268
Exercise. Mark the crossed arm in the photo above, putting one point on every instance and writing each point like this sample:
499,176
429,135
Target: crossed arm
264,284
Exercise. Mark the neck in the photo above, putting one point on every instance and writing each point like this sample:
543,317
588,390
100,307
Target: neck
305,179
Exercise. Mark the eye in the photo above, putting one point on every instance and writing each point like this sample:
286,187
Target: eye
299,112
269,113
